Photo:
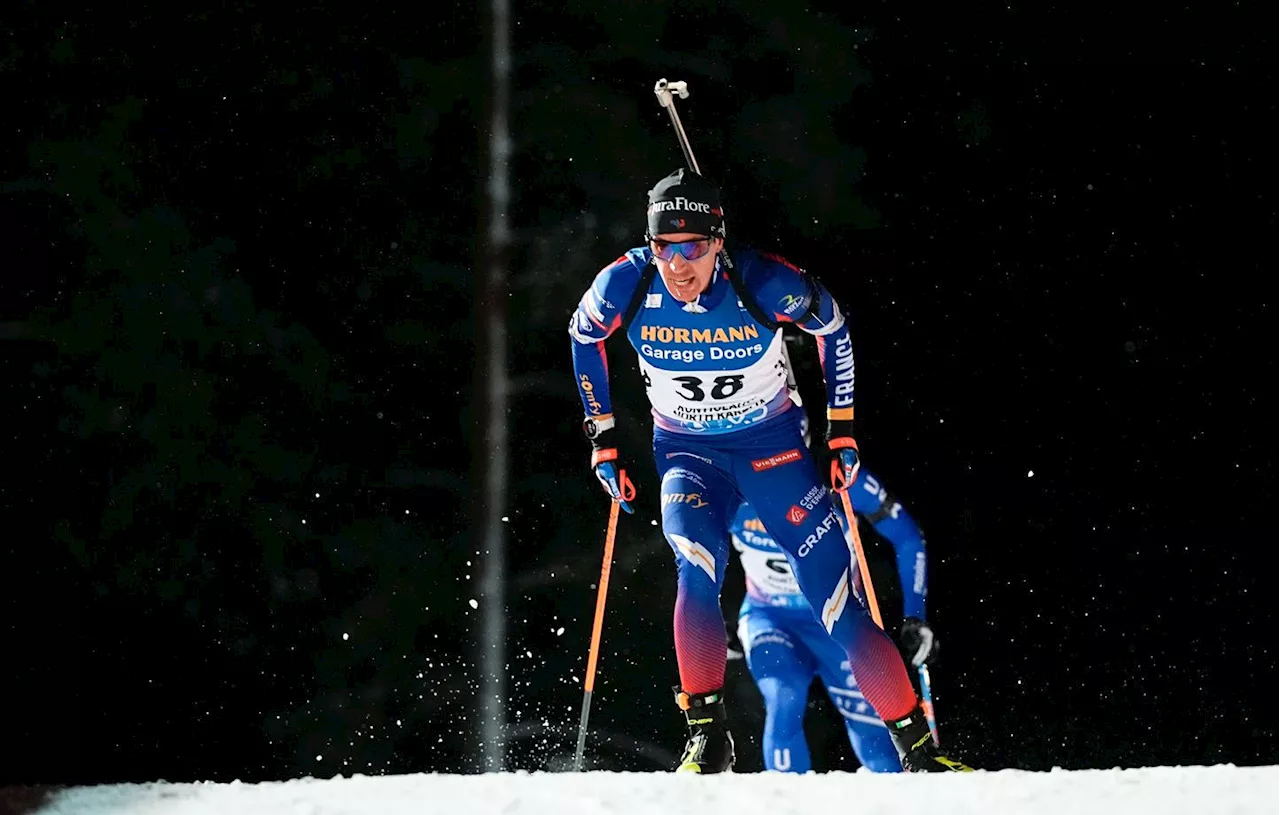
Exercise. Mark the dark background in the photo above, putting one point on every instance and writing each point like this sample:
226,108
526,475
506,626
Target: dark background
238,312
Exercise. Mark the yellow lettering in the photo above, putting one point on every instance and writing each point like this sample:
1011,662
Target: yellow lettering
663,333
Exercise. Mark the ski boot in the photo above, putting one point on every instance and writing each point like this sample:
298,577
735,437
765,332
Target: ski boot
915,745
710,746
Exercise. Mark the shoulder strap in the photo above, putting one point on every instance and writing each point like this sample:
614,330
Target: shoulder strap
735,279
637,297
748,300
814,298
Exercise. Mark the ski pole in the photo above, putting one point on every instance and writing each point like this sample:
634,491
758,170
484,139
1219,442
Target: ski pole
589,683
868,591
926,691
927,701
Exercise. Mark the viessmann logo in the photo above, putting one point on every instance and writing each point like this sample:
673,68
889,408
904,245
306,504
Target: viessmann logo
762,464
662,333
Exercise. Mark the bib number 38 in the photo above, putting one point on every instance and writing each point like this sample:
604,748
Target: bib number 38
722,387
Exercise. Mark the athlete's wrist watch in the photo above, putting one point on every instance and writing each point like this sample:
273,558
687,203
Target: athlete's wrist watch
592,426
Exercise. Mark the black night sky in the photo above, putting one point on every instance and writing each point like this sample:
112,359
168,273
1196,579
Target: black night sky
239,311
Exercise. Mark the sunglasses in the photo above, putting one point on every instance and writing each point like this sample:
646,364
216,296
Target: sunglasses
689,250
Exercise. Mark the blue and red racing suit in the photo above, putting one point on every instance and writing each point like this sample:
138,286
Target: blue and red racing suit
786,648
727,429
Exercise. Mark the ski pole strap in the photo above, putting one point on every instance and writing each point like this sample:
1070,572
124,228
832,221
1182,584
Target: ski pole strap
637,296
627,488
740,288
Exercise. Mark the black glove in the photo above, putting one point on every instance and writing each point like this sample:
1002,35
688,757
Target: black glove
919,645
606,463
844,453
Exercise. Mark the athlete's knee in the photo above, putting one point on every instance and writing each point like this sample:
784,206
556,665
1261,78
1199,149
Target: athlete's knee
696,561
693,527
785,700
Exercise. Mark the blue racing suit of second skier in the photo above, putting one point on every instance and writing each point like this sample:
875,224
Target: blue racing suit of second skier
786,648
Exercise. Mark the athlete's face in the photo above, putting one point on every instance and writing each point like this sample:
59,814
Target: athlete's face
685,268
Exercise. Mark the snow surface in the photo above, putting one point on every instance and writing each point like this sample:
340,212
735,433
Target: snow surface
1155,790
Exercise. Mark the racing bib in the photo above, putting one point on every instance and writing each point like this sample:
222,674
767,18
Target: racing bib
715,399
